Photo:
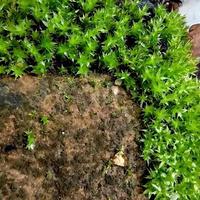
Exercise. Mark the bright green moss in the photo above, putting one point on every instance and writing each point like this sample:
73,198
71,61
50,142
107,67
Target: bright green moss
150,55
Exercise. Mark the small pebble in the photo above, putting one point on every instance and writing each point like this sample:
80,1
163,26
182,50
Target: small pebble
115,90
118,82
119,160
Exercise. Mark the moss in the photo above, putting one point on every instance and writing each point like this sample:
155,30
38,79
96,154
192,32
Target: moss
147,49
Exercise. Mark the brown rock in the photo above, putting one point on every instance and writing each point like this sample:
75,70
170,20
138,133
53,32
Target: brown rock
194,34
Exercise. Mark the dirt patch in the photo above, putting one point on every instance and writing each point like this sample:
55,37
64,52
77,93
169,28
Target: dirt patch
86,149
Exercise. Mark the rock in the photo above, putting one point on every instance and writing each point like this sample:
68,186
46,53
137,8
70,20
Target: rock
190,9
194,34
118,82
119,159
115,90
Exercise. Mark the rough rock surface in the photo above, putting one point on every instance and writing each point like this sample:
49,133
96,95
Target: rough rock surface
87,150
190,9
194,34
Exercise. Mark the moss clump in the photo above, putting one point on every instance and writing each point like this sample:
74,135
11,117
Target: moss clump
148,51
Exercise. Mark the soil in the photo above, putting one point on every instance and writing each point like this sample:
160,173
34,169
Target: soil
91,122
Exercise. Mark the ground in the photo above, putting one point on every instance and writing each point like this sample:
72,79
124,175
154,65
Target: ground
87,148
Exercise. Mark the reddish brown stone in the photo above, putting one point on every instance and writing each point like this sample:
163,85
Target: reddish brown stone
194,34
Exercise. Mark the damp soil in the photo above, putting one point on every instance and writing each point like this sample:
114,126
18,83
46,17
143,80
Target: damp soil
90,120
